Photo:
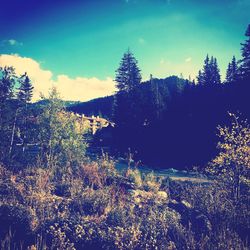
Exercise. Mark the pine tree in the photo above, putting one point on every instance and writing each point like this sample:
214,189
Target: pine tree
25,90
7,109
24,96
128,74
229,73
7,82
127,112
158,98
210,75
232,71
215,72
200,77
206,71
245,50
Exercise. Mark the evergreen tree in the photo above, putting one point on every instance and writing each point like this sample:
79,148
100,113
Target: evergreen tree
127,112
210,75
245,62
232,71
25,90
159,96
203,74
128,79
23,112
200,77
7,109
215,72
7,82
128,74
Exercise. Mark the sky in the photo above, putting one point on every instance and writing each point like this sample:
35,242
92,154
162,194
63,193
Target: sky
76,45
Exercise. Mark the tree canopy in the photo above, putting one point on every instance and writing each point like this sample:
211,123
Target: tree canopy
128,74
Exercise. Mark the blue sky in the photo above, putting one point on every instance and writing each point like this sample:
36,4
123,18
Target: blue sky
86,39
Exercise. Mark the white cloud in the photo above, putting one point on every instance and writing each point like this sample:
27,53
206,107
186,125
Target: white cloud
132,1
162,61
165,67
83,89
14,42
10,42
141,40
189,59
74,89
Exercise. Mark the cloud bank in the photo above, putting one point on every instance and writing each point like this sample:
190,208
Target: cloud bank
73,89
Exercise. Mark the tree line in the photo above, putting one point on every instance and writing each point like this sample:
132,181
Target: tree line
174,120
171,121
42,132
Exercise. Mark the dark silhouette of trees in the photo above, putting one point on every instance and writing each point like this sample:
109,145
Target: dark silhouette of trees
159,96
14,113
24,95
7,82
241,86
7,109
210,75
128,79
232,71
25,90
126,108
172,120
245,61
128,74
162,119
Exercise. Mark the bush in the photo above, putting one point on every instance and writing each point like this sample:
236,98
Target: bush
134,175
16,226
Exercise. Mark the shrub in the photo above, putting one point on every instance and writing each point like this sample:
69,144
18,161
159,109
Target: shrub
134,175
16,225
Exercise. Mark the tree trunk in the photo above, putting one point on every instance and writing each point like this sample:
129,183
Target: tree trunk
13,134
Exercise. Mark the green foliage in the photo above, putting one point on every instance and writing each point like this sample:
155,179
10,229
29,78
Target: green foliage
73,204
7,110
61,134
152,183
25,89
106,216
134,175
232,165
14,113
7,82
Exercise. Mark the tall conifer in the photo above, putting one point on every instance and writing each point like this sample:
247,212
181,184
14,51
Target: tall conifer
128,74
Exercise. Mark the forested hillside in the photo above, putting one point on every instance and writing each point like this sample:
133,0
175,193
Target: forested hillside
102,107
173,121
